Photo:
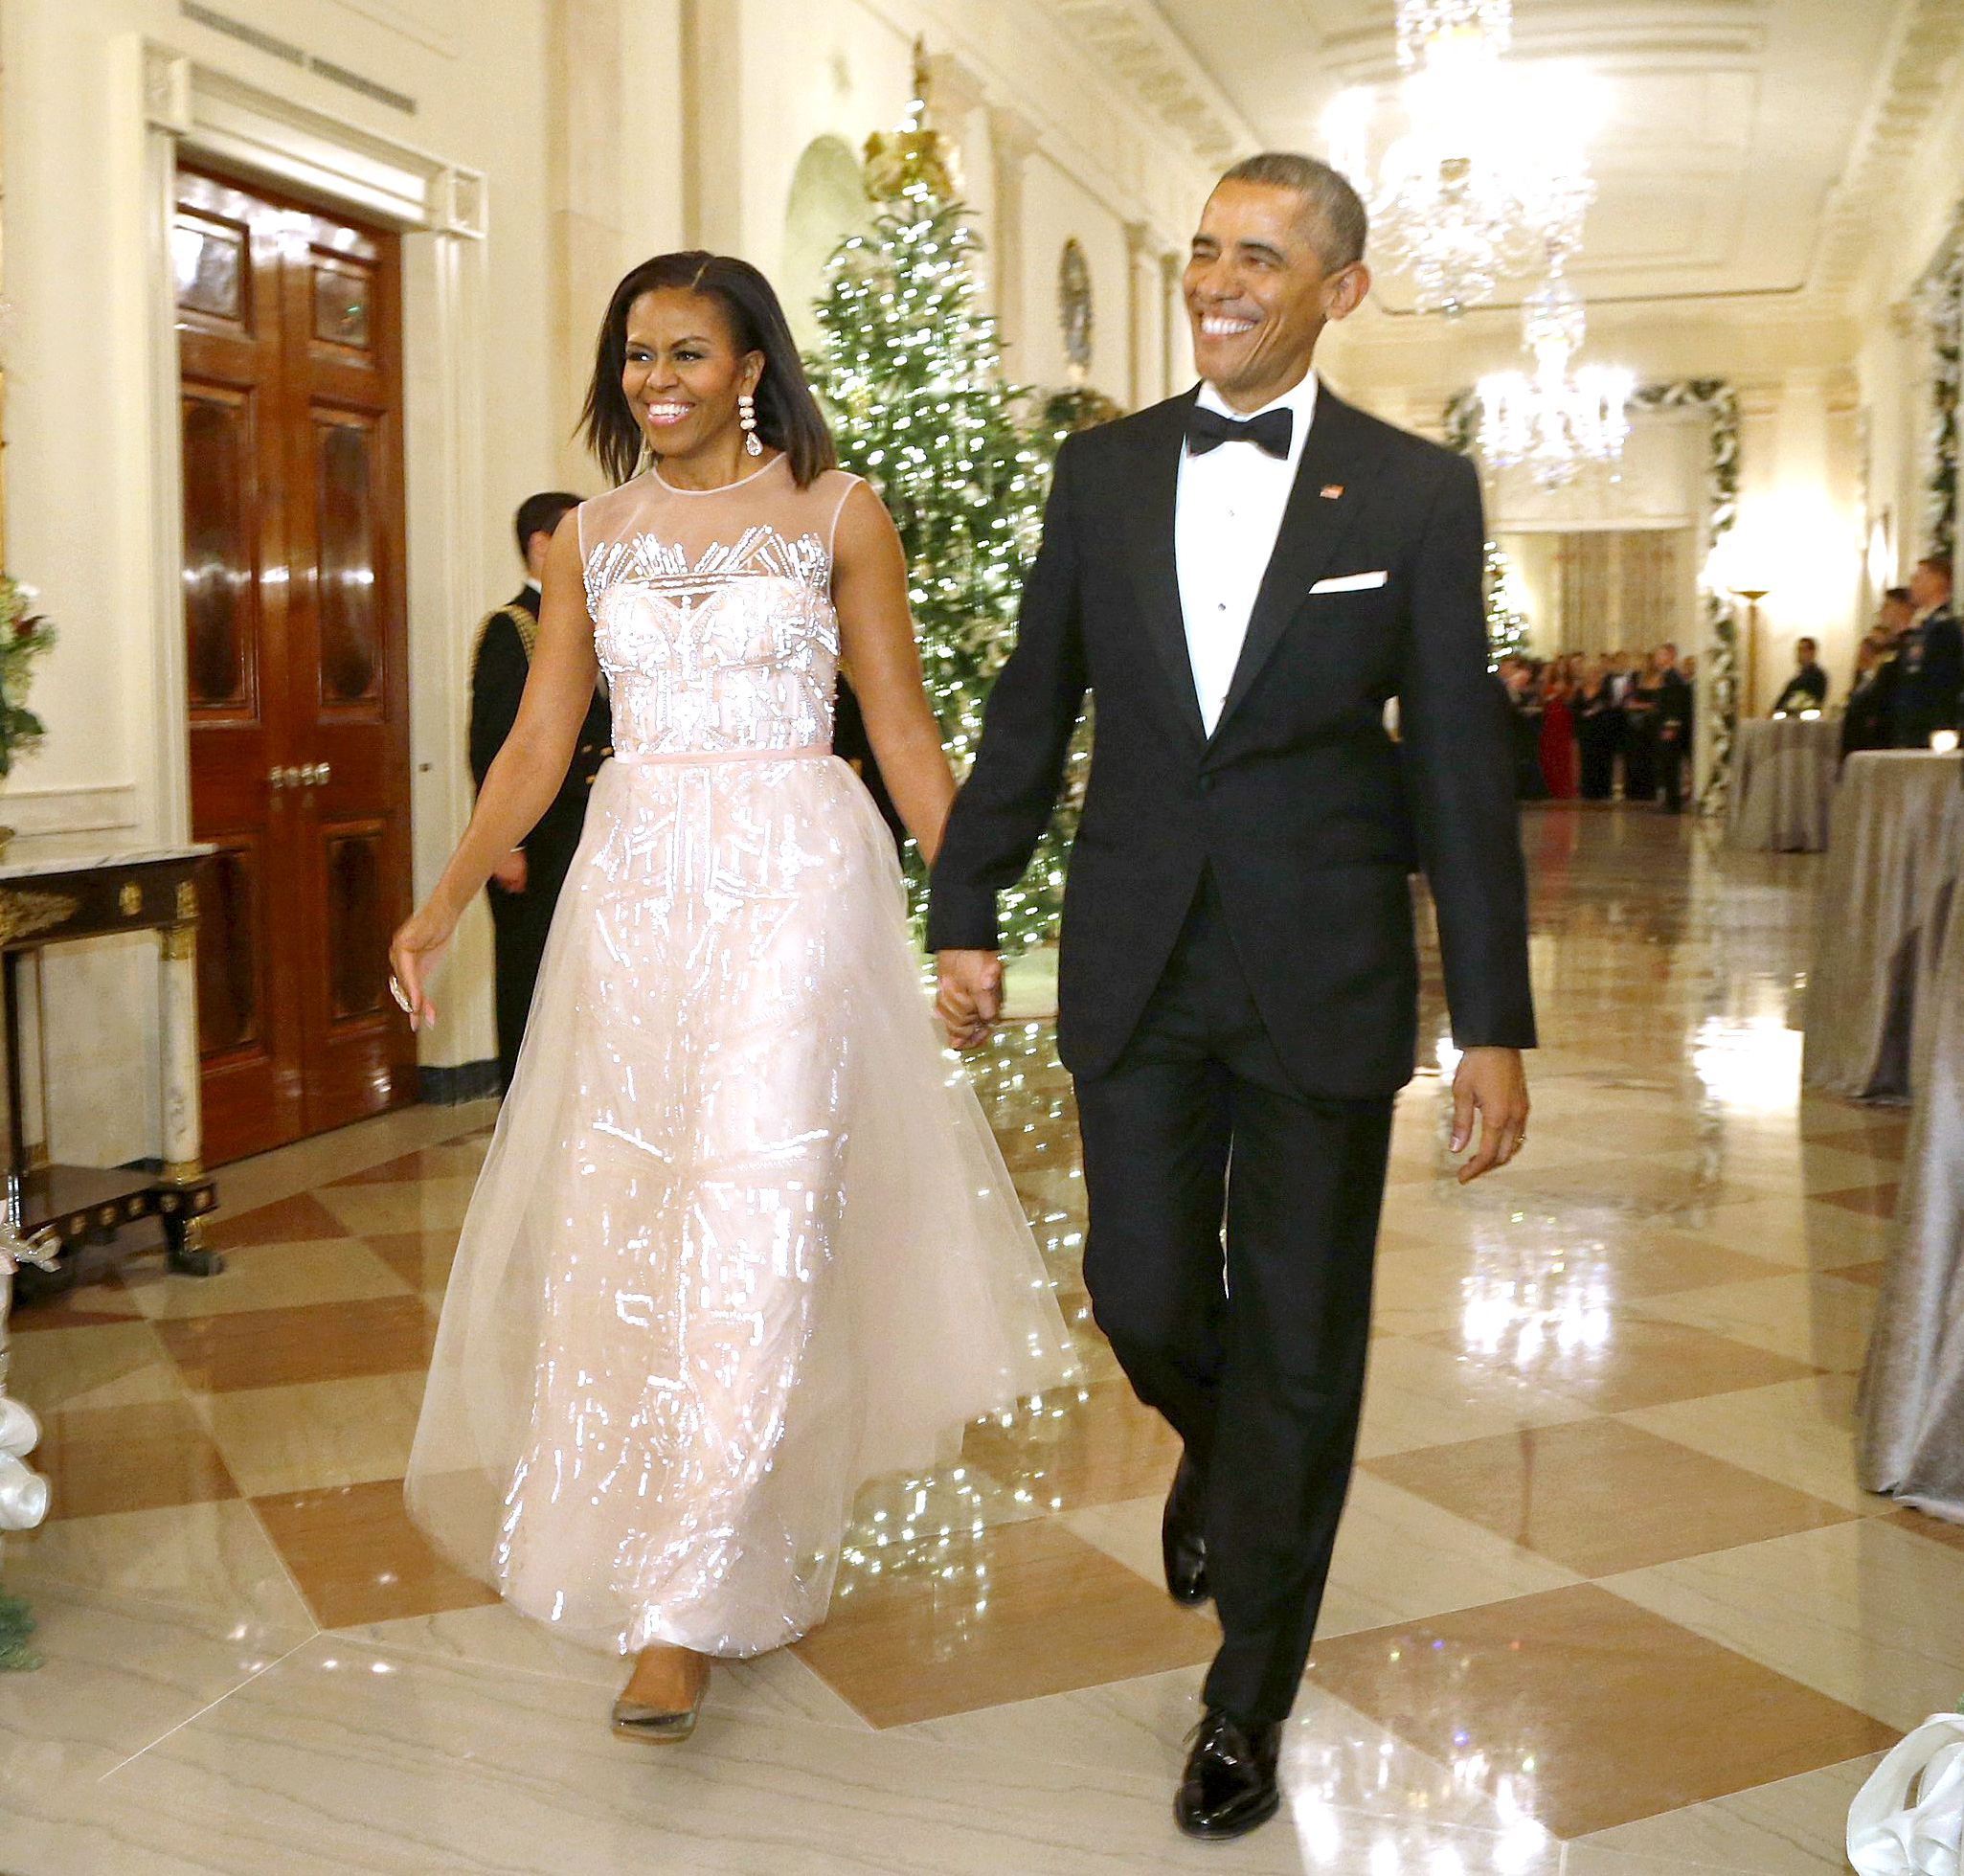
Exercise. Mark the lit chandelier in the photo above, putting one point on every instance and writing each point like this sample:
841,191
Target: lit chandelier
1492,172
1554,421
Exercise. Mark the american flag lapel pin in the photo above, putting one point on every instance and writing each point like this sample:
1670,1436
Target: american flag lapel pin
1332,491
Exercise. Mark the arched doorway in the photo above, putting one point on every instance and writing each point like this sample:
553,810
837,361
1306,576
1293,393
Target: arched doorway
827,203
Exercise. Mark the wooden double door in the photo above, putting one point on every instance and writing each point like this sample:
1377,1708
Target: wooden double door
289,342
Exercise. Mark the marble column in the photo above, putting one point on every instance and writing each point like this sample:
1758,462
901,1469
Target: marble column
183,1140
1012,141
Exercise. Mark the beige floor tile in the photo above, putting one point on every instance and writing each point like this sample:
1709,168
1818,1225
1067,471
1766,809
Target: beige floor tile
335,1767
271,1277
420,1205
1598,1497
316,1434
1006,1617
213,1558
1802,1433
117,1365
1585,1711
1798,1233
1795,1826
310,1163
1867,1612
1811,1315
1090,1447
1421,1394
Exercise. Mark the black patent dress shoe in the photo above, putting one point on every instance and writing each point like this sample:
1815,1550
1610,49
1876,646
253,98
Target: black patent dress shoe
1230,1783
1180,1543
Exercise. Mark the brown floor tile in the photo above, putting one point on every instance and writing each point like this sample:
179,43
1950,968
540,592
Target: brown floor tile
357,1558
288,1221
1640,1362
1867,1200
1095,1451
1022,1610
87,1307
1600,1497
129,1458
1881,1141
1870,1274
422,1259
1592,1711
317,1342
1939,1530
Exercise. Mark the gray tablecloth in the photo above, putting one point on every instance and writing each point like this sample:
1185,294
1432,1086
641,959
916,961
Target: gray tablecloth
1783,784
1912,1391
1895,849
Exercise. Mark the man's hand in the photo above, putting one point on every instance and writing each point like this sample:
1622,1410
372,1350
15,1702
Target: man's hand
1494,1082
970,996
509,873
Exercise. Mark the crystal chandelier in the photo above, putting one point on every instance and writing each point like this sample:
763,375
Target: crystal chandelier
1554,421
1492,172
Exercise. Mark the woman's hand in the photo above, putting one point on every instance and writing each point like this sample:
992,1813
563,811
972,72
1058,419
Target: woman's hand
413,954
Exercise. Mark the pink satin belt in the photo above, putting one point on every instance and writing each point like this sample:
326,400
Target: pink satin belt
669,758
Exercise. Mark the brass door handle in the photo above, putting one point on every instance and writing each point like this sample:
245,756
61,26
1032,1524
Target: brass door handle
280,778
316,775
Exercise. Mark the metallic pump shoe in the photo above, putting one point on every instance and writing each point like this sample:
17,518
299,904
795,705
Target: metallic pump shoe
660,1726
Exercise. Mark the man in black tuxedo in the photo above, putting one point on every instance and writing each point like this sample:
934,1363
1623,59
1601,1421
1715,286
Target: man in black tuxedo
1808,688
1245,576
524,885
1930,659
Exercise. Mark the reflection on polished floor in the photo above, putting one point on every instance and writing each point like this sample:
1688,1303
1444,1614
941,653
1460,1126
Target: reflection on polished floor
1607,1600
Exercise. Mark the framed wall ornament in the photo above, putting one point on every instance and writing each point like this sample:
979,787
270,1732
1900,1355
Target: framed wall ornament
1718,402
1075,315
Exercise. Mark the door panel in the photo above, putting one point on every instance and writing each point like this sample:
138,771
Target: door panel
289,342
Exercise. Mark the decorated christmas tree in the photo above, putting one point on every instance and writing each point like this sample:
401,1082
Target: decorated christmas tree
910,372
1506,625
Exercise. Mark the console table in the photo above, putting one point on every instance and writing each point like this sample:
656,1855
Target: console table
101,894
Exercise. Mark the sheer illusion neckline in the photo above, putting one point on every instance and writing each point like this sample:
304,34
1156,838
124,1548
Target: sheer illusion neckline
728,488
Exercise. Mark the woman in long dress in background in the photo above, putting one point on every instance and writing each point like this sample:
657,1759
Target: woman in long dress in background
740,1242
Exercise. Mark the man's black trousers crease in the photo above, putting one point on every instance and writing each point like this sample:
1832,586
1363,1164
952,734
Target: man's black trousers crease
1258,1359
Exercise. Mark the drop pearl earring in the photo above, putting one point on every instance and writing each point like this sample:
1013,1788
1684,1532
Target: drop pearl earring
746,418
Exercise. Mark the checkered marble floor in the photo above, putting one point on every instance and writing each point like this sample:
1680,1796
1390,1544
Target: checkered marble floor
1607,1600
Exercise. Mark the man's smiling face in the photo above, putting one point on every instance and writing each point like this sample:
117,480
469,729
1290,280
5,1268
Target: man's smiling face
1257,295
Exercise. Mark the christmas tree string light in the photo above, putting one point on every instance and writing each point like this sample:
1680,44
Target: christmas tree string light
909,370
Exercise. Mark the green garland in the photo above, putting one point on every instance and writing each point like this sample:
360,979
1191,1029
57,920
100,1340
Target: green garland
1719,403
24,636
1939,297
16,1626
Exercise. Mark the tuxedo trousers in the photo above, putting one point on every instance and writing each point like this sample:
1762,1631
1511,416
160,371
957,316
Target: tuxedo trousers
1251,1345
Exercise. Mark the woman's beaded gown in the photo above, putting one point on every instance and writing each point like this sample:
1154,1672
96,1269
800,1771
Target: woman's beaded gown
743,1240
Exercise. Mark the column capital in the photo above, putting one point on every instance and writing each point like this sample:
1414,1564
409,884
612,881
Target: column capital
954,85
1012,136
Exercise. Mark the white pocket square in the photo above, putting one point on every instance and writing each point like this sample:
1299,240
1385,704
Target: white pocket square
1350,582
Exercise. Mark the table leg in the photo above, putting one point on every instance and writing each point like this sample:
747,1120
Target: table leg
183,1134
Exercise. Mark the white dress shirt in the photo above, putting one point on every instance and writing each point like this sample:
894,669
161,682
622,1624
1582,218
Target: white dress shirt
1225,517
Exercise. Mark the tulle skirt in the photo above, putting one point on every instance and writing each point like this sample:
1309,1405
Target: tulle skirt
743,1240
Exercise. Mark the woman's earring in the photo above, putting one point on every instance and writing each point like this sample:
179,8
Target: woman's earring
746,418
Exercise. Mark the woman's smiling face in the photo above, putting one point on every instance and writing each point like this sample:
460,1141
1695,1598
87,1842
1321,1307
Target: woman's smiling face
683,374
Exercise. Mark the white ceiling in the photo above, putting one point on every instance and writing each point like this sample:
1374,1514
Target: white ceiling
1748,143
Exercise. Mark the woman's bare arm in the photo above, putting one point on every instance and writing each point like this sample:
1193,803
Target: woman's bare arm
525,776
876,635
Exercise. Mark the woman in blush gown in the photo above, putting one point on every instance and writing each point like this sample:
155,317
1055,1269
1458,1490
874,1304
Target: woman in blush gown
740,1242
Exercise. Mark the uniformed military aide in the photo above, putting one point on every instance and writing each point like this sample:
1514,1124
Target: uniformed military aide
525,885
1930,660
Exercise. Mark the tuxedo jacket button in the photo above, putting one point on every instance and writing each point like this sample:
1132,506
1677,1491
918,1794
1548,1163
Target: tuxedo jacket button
1207,782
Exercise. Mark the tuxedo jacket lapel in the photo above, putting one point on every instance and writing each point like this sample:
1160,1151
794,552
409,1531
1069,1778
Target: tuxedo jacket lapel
1155,568
1329,486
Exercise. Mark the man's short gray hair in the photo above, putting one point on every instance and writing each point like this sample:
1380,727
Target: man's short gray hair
1341,223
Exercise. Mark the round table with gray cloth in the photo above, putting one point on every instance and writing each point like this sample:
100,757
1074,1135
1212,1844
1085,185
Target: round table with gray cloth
1783,784
1912,1390
1895,849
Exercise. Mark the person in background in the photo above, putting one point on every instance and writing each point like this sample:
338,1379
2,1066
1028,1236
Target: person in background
1671,726
1808,688
1522,678
1930,659
1866,719
524,885
1555,745
1598,728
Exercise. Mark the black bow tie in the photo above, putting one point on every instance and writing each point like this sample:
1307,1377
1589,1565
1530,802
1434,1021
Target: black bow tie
1271,430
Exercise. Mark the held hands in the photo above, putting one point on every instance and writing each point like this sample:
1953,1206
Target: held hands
509,875
970,996
413,954
1493,1081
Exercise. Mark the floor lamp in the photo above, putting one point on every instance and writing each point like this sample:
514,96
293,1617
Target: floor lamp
1752,596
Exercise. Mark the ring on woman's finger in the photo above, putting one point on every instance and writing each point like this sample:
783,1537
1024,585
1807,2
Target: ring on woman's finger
396,991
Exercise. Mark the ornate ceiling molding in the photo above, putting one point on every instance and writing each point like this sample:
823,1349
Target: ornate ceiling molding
1131,39
1919,81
